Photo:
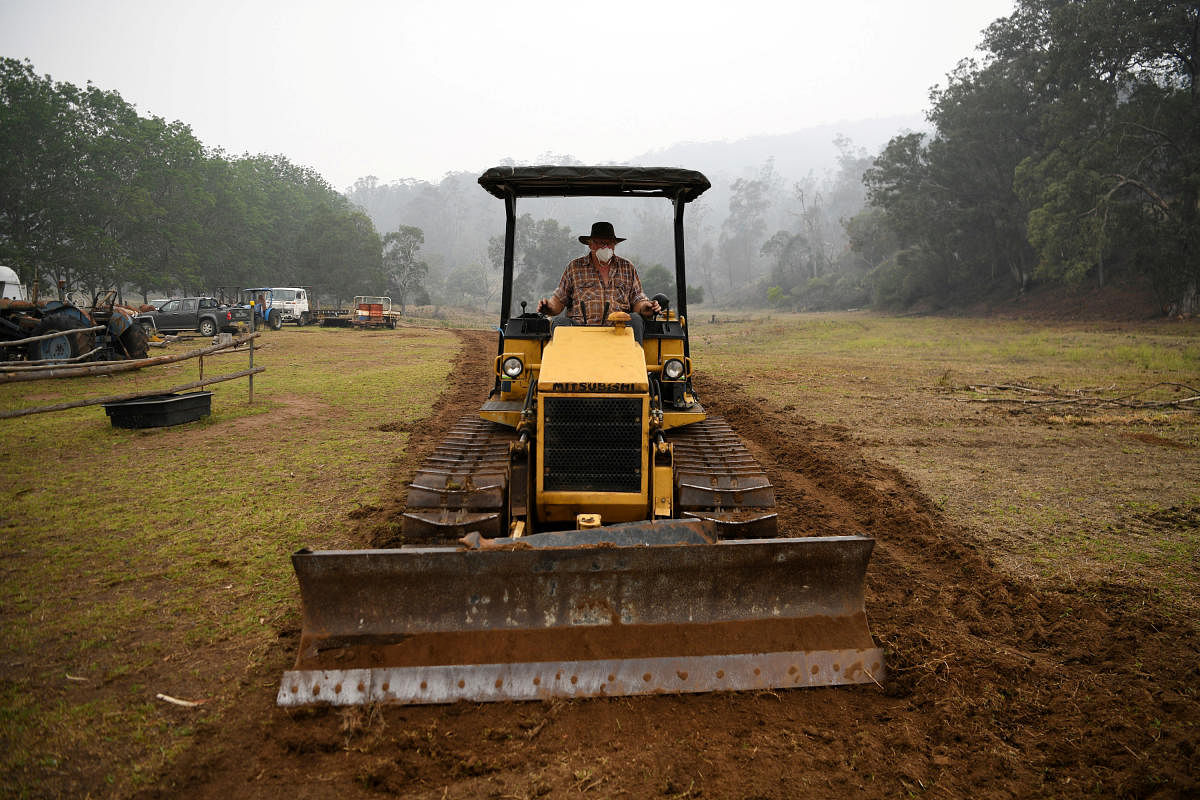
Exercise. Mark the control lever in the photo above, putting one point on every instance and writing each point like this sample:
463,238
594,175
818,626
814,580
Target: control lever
663,301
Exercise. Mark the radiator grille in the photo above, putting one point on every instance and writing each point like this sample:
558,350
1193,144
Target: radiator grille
592,444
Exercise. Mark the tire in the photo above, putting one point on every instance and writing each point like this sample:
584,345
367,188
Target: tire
208,327
134,342
305,319
72,343
276,321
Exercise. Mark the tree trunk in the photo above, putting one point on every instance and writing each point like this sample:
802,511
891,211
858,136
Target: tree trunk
1189,303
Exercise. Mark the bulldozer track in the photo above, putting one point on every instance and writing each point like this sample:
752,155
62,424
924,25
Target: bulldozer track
463,485
716,478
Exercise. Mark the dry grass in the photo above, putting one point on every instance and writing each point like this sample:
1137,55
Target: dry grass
157,561
1062,493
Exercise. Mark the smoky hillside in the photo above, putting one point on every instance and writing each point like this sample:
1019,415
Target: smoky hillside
1064,153
772,197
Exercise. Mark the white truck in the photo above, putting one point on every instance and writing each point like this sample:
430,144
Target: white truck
293,302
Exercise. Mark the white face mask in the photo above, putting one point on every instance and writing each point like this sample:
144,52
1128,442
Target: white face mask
604,254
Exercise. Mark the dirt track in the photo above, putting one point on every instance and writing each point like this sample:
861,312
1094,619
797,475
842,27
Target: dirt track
997,689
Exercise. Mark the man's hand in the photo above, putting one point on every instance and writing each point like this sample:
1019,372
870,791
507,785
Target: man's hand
546,306
648,307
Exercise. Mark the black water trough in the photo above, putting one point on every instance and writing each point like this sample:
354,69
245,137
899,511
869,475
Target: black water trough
160,410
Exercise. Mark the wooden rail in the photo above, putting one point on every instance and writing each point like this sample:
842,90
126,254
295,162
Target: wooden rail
16,342
37,373
118,398
25,372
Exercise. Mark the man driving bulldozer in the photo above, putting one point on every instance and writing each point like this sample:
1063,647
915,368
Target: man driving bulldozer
595,285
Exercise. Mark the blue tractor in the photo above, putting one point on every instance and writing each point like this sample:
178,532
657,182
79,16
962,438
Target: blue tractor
266,314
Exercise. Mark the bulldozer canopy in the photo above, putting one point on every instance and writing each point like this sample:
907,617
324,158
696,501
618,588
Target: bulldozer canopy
554,181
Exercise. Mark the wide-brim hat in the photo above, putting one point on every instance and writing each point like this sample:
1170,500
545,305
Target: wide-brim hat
601,230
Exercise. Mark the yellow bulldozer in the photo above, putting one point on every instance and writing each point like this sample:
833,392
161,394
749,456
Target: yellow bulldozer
592,531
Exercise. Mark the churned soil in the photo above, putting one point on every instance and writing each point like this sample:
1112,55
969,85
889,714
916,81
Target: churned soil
996,687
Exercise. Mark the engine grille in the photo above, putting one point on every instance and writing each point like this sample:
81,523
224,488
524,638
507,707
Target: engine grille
592,444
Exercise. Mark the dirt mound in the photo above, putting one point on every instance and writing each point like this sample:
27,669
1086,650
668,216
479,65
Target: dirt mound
995,689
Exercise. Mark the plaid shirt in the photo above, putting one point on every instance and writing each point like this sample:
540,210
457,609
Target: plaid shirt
588,299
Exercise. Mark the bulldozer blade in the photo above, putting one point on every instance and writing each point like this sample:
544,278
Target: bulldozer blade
443,624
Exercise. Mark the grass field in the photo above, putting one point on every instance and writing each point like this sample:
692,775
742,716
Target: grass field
146,562
1072,490
137,559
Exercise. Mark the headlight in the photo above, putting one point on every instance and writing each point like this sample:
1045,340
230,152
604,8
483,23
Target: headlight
673,369
512,367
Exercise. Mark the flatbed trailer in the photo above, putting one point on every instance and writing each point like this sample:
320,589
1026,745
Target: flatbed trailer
332,317
374,312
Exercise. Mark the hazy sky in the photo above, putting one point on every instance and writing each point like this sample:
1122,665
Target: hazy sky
414,89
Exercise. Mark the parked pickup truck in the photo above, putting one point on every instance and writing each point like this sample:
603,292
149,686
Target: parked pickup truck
203,314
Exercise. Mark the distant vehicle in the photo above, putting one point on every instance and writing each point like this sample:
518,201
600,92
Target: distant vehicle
11,287
279,304
333,317
294,304
373,312
205,315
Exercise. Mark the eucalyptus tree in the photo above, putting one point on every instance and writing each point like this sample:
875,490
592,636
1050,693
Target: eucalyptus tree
1071,151
401,263
810,265
339,252
63,159
39,149
949,197
745,228
1117,184
165,199
541,250
96,195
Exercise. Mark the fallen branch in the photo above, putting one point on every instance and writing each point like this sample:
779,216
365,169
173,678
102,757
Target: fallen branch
24,412
1056,398
872,677
178,702
44,336
979,387
536,729
20,365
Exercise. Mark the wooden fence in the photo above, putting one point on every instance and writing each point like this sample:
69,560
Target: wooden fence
13,372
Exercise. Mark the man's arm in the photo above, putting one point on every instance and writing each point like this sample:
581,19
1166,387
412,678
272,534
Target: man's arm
555,303
642,304
550,305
